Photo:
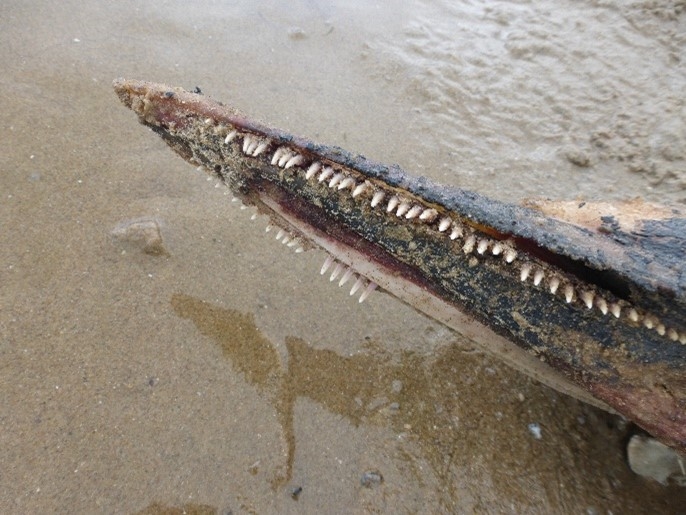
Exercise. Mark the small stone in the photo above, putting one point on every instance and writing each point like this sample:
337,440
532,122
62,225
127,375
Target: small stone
577,157
535,430
142,234
371,479
649,458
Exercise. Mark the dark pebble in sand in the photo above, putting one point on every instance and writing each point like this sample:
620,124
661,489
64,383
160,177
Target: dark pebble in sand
371,479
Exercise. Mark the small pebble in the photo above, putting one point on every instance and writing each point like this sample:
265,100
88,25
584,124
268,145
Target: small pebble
535,430
371,479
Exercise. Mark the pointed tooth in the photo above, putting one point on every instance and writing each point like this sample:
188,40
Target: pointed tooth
336,271
277,155
526,270
286,239
357,285
554,284
616,310
569,294
370,288
414,212
444,224
280,234
234,199
346,276
633,315
327,263
293,242
672,334
284,159
482,246
346,183
312,170
297,159
326,173
230,136
602,305
268,228
403,208
253,216
247,140
587,298
260,148
469,244
497,249
456,232
253,145
428,215
300,250
378,197
392,204
538,277
661,329
359,189
335,180
510,255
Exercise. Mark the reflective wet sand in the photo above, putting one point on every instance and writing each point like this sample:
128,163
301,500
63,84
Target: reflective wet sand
160,351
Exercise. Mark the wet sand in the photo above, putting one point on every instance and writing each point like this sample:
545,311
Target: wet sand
159,353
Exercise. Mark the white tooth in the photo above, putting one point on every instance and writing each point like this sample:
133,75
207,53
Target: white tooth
370,288
359,189
456,232
587,298
277,155
243,207
469,244
230,136
268,228
403,208
510,255
526,270
312,170
284,159
428,215
299,250
392,204
346,183
253,145
357,285
294,161
253,216
326,173
280,234
293,242
234,199
482,246
672,334
602,305
661,329
378,197
246,143
327,263
497,249
335,180
260,148
615,309
569,293
337,270
346,277
444,224
538,277
554,284
649,322
286,239
633,315
414,212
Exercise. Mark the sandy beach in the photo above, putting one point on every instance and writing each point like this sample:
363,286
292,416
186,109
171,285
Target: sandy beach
161,353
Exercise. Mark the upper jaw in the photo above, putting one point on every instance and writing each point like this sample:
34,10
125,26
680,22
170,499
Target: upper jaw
602,305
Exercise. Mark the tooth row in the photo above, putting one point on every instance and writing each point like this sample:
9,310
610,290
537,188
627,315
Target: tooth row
590,299
286,158
346,275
